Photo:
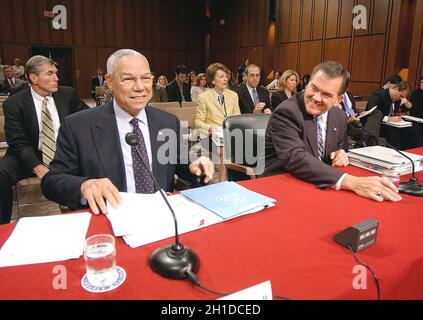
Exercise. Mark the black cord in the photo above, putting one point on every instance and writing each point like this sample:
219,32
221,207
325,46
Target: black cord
192,277
370,269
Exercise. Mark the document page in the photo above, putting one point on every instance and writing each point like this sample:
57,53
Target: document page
46,239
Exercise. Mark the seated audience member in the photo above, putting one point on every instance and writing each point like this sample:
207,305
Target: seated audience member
159,93
241,70
97,81
305,80
178,89
388,101
391,80
32,120
217,103
11,84
275,82
231,81
306,136
19,69
1,73
252,97
416,100
199,86
348,105
192,77
287,86
93,162
162,81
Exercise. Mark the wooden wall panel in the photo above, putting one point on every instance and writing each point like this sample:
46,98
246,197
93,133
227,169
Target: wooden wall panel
45,23
288,56
12,51
367,58
346,18
318,18
368,5
307,20
85,67
284,21
363,88
309,56
338,50
89,22
19,28
78,28
332,19
6,34
380,16
295,20
33,22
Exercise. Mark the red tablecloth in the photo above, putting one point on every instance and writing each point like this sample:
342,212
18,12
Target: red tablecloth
290,244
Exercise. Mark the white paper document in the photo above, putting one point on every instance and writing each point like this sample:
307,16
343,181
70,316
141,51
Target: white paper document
413,119
366,113
145,218
399,124
46,239
261,291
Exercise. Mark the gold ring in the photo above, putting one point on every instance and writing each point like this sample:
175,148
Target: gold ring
379,193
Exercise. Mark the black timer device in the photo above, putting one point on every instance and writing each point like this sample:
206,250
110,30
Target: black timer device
359,236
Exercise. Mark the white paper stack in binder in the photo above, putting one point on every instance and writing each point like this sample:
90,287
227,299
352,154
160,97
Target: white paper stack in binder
378,158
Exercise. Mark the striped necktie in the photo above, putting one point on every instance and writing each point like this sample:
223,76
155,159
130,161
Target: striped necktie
320,142
48,141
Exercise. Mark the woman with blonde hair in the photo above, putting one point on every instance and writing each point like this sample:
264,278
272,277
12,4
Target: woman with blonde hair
199,86
162,81
216,104
287,86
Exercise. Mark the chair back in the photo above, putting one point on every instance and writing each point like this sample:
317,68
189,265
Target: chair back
99,91
243,137
189,104
165,105
186,114
2,134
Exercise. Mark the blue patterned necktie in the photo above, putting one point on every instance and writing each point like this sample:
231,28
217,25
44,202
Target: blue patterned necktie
143,181
256,97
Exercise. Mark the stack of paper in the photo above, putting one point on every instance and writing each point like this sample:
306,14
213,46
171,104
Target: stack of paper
378,158
413,119
46,239
399,124
145,218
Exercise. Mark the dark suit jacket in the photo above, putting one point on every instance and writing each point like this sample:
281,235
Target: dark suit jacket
291,142
19,86
278,98
417,101
95,82
173,93
88,147
246,104
21,125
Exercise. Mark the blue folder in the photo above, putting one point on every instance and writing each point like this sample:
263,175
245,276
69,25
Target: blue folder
227,199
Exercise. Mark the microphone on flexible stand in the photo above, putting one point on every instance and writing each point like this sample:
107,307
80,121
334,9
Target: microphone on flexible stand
412,186
173,261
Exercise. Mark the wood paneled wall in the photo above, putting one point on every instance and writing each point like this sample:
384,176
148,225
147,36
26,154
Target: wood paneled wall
168,32
239,31
310,31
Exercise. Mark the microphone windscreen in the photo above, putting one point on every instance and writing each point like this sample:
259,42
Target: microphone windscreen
357,124
132,139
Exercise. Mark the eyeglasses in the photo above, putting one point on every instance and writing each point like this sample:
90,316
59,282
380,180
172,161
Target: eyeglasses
131,80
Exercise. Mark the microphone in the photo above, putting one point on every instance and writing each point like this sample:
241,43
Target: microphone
411,187
173,261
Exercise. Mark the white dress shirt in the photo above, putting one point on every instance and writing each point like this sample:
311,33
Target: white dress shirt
51,106
122,120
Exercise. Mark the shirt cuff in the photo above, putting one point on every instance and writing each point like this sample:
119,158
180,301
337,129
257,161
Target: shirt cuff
339,183
385,119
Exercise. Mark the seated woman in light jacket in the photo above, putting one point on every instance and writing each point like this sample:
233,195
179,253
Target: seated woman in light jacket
216,104
199,86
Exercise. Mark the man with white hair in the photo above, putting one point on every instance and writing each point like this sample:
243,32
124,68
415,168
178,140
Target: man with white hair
93,162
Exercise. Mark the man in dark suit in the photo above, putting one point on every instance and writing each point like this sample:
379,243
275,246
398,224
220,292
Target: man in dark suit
27,155
97,81
306,136
253,98
93,162
178,89
11,84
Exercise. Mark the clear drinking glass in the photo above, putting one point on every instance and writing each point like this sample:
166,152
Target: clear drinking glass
100,259
391,175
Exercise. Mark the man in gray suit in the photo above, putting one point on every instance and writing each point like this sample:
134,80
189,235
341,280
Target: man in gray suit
11,84
306,136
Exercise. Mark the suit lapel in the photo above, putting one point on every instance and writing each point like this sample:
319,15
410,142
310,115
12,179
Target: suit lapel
310,126
247,97
154,130
60,105
213,98
332,131
31,116
107,144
